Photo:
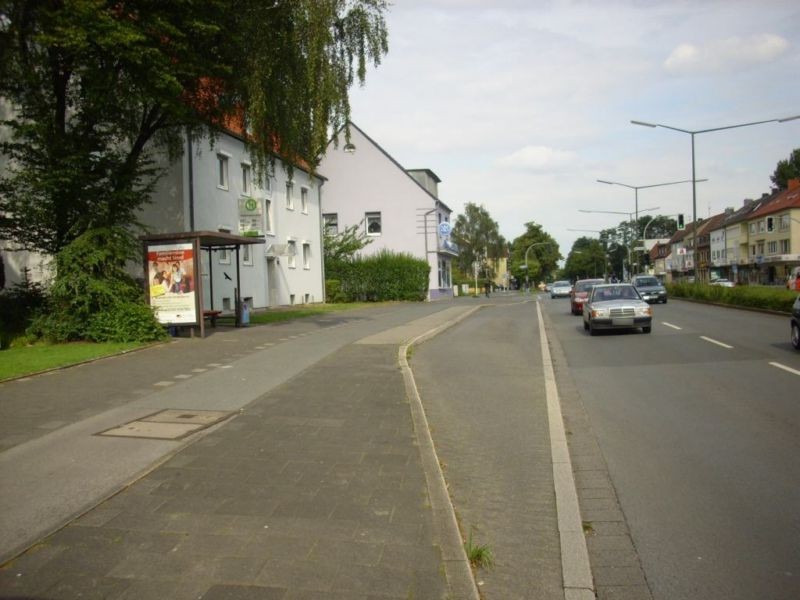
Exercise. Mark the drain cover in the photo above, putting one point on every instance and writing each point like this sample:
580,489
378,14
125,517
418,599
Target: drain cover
170,424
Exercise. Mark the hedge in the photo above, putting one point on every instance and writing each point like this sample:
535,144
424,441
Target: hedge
382,277
748,296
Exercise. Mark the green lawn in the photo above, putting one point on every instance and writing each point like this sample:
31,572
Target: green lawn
310,310
16,362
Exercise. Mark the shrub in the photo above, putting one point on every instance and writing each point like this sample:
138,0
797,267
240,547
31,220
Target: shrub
748,296
333,291
18,306
385,276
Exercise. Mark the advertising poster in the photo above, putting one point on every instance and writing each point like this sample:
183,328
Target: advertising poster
171,277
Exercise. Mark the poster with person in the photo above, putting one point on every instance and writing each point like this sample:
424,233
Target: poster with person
171,281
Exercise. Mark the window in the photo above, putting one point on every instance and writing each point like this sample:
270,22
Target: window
307,298
373,223
753,250
222,171
770,224
245,178
772,247
224,256
289,193
762,226
761,247
267,216
786,247
292,258
247,256
331,223
306,256
752,227
267,183
785,222
226,304
291,299
304,200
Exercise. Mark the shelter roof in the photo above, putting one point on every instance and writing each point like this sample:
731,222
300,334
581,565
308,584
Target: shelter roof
208,239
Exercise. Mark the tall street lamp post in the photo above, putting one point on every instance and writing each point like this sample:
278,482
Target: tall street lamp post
694,180
527,276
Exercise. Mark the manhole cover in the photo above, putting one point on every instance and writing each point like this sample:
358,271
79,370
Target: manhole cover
170,424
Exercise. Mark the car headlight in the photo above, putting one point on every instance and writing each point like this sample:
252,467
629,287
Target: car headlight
644,311
600,312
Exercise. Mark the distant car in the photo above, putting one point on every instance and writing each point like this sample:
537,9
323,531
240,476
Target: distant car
580,291
796,324
649,288
723,283
616,306
560,289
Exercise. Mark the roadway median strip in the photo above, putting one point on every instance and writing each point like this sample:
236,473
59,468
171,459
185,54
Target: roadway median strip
713,341
785,368
671,325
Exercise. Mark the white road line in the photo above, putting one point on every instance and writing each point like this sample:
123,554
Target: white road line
785,368
671,325
708,339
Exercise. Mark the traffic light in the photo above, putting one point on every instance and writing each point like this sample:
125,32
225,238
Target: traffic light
681,224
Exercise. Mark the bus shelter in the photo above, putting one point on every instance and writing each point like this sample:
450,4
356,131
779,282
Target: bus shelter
173,277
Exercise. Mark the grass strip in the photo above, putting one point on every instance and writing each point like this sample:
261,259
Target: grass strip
26,360
287,314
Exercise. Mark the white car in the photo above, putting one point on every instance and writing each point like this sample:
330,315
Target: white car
723,283
560,289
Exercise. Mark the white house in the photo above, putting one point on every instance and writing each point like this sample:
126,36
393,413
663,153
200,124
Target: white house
398,208
214,188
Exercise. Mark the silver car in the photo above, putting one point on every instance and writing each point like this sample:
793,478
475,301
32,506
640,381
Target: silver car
560,289
616,306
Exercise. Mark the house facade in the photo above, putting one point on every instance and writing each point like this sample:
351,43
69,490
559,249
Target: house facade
398,209
214,187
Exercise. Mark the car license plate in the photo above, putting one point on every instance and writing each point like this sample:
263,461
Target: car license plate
623,321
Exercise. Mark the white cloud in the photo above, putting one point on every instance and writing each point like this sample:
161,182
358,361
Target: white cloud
538,158
726,54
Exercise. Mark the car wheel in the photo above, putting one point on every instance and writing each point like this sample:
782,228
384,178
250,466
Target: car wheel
585,326
647,329
592,330
796,336
665,300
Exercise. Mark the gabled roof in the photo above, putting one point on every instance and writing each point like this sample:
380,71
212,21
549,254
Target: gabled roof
744,212
391,158
680,234
711,224
781,201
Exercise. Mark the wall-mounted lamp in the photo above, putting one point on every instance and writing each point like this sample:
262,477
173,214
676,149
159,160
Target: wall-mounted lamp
350,148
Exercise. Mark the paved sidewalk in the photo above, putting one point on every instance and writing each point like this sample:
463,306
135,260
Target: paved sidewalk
315,490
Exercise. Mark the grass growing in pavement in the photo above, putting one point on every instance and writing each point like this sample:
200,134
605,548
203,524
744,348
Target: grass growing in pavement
17,362
479,555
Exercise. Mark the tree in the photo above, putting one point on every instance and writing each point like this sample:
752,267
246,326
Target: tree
543,255
102,90
478,237
786,170
586,259
342,247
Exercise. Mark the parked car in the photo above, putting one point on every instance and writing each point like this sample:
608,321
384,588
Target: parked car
796,324
616,306
580,291
649,288
723,283
560,289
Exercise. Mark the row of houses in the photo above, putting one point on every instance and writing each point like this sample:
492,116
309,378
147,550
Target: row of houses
213,189
758,243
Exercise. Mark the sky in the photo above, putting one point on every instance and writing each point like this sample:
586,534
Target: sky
522,105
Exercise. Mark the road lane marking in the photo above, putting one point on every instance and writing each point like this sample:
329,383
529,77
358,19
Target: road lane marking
785,368
708,339
671,325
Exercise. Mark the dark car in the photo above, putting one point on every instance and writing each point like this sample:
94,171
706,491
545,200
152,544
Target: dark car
649,288
616,306
580,291
796,324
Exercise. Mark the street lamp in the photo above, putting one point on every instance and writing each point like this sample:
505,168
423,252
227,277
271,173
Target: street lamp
527,276
630,218
694,180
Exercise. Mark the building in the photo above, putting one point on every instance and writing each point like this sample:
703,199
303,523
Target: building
399,209
214,187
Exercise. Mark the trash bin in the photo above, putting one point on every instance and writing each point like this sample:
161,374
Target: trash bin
244,315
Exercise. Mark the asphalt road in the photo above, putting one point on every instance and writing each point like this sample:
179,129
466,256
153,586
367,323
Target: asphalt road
698,422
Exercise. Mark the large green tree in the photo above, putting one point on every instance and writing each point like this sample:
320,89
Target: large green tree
586,259
479,240
786,170
542,253
101,90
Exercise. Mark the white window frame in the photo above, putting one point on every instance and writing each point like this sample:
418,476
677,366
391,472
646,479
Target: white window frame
306,256
304,200
291,259
762,226
224,256
325,220
247,255
223,180
268,228
372,215
753,227
289,195
772,247
785,222
786,246
247,179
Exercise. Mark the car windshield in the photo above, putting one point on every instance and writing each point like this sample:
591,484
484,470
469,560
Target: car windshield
584,286
562,284
647,281
617,292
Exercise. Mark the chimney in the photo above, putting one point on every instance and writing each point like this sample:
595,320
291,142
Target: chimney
729,211
793,184
748,201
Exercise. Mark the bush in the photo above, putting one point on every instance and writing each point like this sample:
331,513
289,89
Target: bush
384,276
18,306
748,296
333,291
125,322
